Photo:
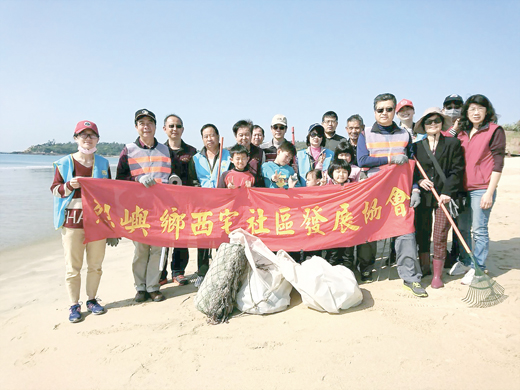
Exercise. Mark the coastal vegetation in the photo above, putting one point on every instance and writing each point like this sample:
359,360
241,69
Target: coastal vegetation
52,147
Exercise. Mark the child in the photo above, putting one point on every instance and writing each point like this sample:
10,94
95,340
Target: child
313,178
344,151
238,175
340,173
68,215
278,173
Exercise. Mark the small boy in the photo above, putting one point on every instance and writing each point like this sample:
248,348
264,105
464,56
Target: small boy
278,173
313,178
238,175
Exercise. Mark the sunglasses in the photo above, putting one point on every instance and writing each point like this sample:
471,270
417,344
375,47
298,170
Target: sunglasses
387,109
276,127
175,126
452,106
430,122
85,136
313,135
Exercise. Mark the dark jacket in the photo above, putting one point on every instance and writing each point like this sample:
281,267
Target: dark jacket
449,154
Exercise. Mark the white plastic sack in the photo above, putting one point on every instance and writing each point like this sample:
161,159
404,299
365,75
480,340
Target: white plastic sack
264,289
322,286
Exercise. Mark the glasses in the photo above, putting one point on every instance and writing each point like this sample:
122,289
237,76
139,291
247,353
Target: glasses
330,121
276,127
175,126
354,128
387,109
430,122
477,108
314,135
85,136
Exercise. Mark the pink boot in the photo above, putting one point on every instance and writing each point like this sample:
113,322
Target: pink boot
438,266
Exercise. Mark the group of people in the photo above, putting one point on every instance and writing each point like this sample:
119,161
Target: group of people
460,147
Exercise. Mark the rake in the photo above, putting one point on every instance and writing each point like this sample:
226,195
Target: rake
483,290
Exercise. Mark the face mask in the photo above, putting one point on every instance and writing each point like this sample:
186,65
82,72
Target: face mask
454,113
87,151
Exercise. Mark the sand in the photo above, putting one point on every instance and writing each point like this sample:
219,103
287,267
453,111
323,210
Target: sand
392,340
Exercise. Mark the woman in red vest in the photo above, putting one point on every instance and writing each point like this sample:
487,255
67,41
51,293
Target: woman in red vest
484,145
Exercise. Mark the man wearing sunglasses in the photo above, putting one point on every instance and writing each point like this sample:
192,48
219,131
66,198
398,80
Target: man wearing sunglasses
180,154
386,143
278,128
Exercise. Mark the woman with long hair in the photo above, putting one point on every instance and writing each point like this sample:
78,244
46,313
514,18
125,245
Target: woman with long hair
484,144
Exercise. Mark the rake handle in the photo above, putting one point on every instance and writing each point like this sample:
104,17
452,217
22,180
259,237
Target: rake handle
220,158
455,228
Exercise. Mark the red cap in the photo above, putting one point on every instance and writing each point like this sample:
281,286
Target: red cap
402,104
83,125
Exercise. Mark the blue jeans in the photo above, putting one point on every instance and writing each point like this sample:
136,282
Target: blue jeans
474,220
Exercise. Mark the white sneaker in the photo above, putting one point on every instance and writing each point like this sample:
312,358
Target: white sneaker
458,269
468,278
199,281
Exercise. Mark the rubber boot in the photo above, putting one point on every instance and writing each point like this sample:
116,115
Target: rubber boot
438,266
424,259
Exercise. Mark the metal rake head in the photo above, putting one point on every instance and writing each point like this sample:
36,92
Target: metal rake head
484,291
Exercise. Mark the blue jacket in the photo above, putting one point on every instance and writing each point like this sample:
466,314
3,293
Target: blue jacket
66,167
207,177
305,165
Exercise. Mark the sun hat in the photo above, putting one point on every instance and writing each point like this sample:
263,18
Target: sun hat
419,125
404,103
83,125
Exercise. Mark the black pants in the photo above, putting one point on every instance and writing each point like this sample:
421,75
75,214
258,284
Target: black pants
203,261
366,256
180,258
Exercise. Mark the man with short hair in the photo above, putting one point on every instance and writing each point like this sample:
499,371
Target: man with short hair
180,155
329,121
278,128
147,162
242,131
354,127
386,143
258,136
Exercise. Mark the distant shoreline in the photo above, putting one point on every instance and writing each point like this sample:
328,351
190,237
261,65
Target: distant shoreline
50,154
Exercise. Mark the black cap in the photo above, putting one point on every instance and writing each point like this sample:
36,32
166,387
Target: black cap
144,112
453,98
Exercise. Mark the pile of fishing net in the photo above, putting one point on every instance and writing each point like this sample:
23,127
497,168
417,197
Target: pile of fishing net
217,293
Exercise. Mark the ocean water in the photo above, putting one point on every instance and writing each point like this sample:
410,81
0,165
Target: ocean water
26,200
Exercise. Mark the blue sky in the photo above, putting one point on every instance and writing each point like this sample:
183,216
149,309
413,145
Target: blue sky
222,61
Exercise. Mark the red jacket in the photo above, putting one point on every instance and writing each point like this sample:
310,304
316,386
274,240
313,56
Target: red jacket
478,156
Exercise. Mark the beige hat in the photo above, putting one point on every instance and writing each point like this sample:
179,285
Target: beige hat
279,119
419,125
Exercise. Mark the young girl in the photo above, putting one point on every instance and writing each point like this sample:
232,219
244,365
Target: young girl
68,215
313,178
340,172
344,151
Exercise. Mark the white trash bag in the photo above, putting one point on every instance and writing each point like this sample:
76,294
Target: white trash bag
264,290
323,287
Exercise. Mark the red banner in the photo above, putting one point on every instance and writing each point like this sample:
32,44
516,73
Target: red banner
307,218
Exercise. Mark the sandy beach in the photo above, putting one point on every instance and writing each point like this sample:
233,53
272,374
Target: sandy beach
392,340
